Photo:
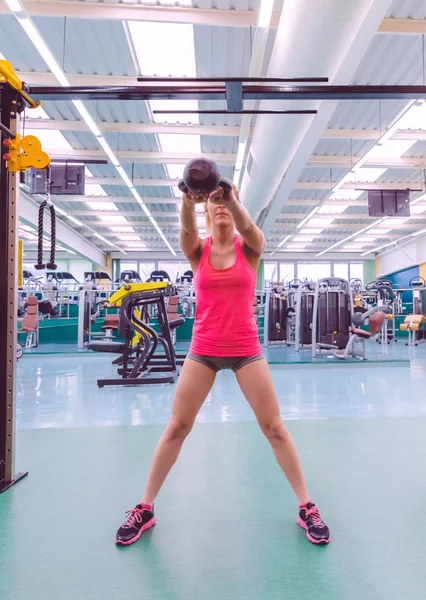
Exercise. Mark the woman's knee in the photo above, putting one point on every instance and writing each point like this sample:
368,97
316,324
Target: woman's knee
276,432
177,429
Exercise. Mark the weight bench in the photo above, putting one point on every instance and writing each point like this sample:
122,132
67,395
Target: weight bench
414,324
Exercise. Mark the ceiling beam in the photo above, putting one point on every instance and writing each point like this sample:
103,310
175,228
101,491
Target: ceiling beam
215,130
142,157
228,159
372,134
300,185
144,128
131,12
316,161
360,185
136,181
121,199
403,26
130,200
292,216
177,14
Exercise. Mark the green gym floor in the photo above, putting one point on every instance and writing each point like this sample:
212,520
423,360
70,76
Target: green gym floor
226,524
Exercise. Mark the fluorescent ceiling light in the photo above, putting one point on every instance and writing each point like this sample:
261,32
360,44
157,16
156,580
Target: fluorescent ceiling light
240,154
124,176
417,210
346,194
303,238
152,42
175,171
60,211
76,221
296,246
176,191
306,219
265,13
135,193
51,139
94,189
418,232
103,239
367,175
396,221
317,221
394,243
128,237
415,118
122,229
392,148
87,118
102,205
14,5
287,237
112,219
180,142
365,239
34,35
236,178
49,58
378,231
175,105
135,246
102,141
329,209
311,231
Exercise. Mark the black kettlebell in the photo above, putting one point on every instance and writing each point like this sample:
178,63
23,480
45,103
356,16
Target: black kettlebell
202,176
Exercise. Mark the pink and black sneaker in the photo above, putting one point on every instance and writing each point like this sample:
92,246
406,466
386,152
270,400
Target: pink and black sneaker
309,519
139,519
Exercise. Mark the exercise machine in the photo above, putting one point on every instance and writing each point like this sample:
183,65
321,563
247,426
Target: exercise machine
139,364
415,324
336,328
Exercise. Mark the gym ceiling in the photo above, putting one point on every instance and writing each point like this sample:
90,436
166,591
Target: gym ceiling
314,205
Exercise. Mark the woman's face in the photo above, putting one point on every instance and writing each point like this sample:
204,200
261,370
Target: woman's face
219,215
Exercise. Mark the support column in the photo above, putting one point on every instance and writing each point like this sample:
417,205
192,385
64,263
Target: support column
9,190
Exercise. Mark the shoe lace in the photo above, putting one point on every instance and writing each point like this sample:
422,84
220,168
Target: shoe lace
315,516
134,514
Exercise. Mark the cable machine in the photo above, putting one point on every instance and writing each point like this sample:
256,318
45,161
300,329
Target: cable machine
20,153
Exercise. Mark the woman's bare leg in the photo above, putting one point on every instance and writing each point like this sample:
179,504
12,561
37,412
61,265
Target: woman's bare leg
195,382
256,383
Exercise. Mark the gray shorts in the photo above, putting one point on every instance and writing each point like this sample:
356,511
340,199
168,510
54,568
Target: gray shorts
218,363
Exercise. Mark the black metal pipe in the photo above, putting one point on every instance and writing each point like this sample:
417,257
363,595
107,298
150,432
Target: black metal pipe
234,112
79,161
7,131
234,79
218,92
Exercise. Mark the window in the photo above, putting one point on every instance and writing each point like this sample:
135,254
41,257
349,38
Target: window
357,270
128,266
313,271
286,271
341,270
174,269
145,269
270,272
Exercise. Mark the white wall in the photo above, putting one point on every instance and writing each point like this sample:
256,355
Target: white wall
410,255
75,266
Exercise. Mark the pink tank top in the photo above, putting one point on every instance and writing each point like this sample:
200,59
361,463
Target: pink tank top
224,321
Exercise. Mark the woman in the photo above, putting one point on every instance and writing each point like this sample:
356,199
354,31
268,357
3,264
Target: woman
225,337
